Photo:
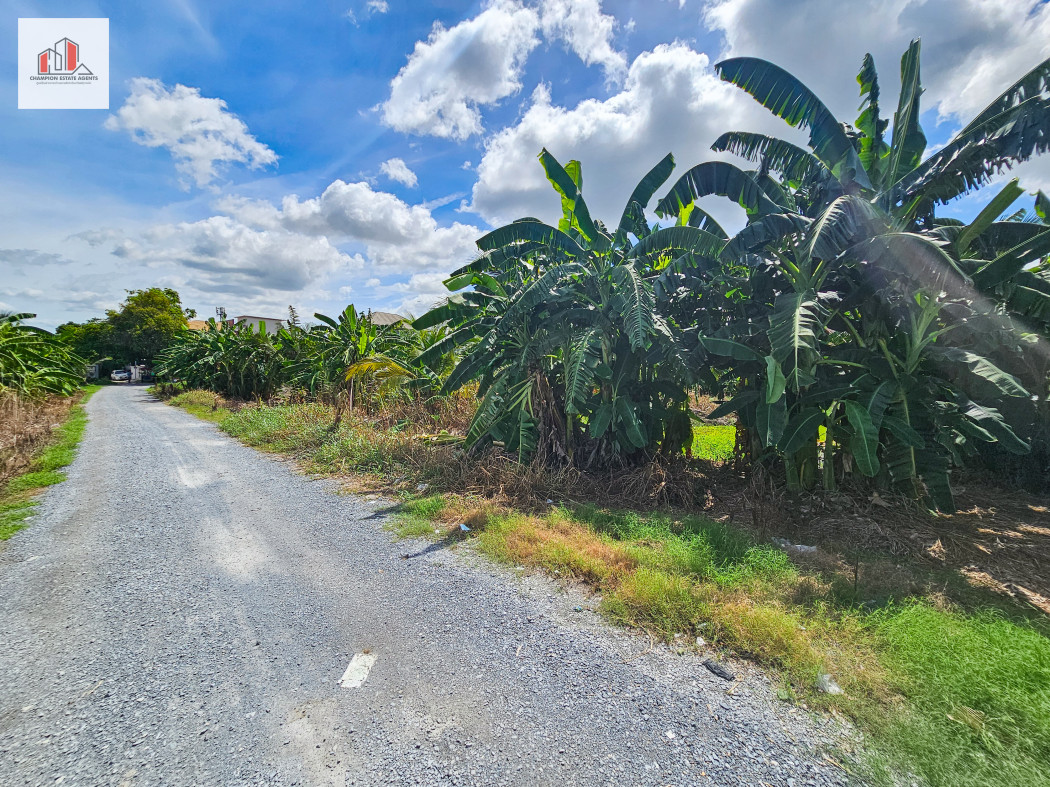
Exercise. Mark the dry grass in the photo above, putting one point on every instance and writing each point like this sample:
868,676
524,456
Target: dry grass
26,425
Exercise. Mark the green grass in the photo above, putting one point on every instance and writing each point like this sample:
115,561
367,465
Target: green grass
17,496
416,517
978,689
201,404
910,670
714,442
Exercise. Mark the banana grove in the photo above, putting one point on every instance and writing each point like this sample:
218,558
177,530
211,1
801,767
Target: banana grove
853,332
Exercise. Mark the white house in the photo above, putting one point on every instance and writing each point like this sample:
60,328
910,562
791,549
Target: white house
273,325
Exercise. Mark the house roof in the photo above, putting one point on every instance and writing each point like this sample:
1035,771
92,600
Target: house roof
386,318
254,317
197,325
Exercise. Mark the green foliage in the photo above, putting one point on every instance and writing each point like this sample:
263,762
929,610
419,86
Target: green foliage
144,325
562,331
239,361
34,362
344,362
851,331
147,322
906,341
979,696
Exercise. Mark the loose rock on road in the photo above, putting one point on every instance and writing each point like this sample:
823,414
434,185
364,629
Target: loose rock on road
184,611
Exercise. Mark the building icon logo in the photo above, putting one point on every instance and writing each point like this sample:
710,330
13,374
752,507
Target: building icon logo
63,58
56,75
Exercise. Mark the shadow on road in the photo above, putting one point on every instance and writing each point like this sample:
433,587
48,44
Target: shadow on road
437,546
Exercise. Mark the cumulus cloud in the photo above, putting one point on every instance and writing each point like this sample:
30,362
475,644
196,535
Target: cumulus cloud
68,297
377,6
420,293
587,31
397,170
397,236
671,102
971,49
458,69
200,133
224,255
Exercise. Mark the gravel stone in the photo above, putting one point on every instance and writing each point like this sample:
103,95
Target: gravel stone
181,610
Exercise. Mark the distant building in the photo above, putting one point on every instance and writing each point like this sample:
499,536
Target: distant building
197,325
386,318
273,324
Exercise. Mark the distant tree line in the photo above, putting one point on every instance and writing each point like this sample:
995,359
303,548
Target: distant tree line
144,324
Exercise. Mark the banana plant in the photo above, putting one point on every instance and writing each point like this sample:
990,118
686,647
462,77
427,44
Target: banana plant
561,327
239,361
34,362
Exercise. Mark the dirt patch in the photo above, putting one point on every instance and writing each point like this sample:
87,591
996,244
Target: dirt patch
998,540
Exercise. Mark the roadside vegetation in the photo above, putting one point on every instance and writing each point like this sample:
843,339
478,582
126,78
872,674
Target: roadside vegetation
41,465
643,407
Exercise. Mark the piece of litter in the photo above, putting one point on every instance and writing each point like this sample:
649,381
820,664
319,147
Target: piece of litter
787,546
357,671
700,642
719,669
827,684
421,487
670,734
464,528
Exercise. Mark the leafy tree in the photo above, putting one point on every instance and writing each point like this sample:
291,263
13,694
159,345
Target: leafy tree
92,340
147,322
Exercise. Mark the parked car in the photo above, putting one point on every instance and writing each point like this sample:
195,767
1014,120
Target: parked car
119,375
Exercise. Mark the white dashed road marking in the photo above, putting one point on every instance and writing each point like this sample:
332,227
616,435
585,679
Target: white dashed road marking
357,672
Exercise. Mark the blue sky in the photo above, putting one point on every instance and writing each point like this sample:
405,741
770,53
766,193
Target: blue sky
262,154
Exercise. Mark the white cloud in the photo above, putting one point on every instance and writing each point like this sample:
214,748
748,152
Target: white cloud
397,170
377,6
588,32
456,70
397,236
219,254
419,294
971,49
671,102
200,133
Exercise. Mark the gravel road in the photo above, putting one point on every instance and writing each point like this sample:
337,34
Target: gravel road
183,608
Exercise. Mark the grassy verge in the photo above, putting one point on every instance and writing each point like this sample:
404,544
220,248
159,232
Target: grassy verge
714,442
17,498
946,689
